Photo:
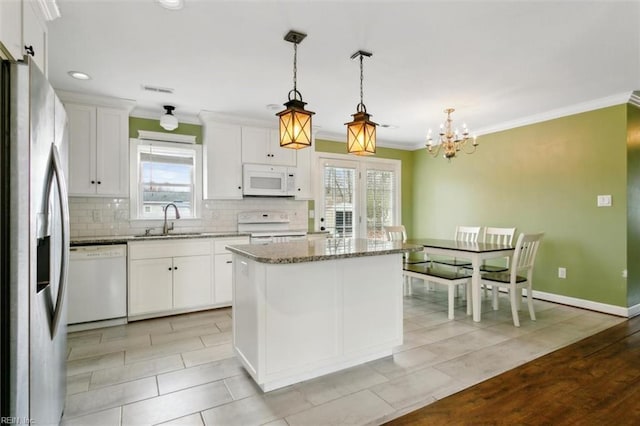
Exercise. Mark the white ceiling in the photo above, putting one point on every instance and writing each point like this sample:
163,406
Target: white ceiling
497,62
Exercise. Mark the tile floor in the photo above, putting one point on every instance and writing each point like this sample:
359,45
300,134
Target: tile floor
181,370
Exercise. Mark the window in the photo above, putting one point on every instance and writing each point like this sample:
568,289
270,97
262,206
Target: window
164,173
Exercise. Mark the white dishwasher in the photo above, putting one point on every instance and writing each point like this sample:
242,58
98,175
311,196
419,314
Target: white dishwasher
97,285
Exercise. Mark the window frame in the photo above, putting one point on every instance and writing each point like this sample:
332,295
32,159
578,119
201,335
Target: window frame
135,206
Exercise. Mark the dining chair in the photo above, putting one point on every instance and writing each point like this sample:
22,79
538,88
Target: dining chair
494,235
468,234
518,276
399,233
502,236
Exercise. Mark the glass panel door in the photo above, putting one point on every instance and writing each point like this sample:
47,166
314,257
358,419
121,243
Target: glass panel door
380,201
338,207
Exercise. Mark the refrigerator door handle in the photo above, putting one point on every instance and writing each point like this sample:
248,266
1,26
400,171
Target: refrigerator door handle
55,171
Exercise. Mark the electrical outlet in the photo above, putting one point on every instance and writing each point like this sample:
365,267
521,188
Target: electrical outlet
562,272
604,200
624,273
312,214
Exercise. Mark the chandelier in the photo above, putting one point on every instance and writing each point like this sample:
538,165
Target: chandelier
361,132
451,141
295,121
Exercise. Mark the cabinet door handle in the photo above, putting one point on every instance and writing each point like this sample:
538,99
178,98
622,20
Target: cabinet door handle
239,187
175,268
169,267
229,261
29,50
99,182
93,182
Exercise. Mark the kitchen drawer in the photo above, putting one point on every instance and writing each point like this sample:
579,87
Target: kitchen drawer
173,248
221,243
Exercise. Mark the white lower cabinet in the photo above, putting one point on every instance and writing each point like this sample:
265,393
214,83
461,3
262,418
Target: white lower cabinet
191,281
169,276
150,286
180,275
223,280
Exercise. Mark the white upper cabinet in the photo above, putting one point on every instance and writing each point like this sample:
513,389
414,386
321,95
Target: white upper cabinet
98,149
262,146
222,174
11,29
304,173
34,34
23,29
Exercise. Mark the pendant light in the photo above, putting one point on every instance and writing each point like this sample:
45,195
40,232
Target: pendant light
168,121
295,121
361,132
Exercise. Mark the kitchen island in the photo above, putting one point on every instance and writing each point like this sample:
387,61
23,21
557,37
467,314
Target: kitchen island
305,309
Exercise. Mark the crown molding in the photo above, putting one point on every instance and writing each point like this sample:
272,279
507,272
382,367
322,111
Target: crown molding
340,137
49,9
152,114
617,99
83,98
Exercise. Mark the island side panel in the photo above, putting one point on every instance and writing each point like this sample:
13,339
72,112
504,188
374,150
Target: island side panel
303,315
372,295
248,276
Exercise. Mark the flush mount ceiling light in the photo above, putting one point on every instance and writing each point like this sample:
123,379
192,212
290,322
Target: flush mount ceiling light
169,121
295,121
451,141
79,75
172,4
361,132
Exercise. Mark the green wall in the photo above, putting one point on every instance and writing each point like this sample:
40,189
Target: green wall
541,177
406,157
633,204
151,125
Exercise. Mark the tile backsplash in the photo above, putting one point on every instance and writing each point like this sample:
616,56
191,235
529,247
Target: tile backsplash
97,216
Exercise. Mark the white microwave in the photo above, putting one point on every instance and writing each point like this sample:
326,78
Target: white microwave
262,180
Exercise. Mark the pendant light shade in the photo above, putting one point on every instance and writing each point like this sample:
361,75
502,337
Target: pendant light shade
295,121
295,125
361,132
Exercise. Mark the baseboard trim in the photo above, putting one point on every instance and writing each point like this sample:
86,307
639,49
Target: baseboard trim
588,304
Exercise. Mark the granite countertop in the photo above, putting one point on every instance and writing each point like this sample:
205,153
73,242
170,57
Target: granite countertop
313,251
123,239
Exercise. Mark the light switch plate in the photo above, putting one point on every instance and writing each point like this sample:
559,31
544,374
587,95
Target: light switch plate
604,200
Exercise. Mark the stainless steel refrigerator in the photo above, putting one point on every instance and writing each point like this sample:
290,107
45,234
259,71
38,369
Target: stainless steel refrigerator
34,246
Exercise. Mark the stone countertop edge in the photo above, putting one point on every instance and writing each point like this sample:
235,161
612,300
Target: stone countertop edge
314,251
123,239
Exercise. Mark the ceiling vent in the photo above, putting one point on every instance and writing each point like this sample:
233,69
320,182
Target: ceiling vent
157,89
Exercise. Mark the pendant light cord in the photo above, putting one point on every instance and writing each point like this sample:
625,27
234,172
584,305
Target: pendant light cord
361,79
295,67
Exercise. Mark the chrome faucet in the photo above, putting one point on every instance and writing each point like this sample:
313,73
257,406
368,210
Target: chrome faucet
165,227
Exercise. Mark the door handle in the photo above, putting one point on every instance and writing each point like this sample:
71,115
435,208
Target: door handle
55,172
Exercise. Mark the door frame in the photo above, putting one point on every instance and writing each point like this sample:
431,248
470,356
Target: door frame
361,166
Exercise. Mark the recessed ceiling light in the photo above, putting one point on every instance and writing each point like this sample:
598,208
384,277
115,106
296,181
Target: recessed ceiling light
172,4
79,75
389,126
274,106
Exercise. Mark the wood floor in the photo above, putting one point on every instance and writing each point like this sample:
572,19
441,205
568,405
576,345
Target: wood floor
595,381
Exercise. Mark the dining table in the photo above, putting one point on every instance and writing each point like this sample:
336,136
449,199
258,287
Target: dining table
476,252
